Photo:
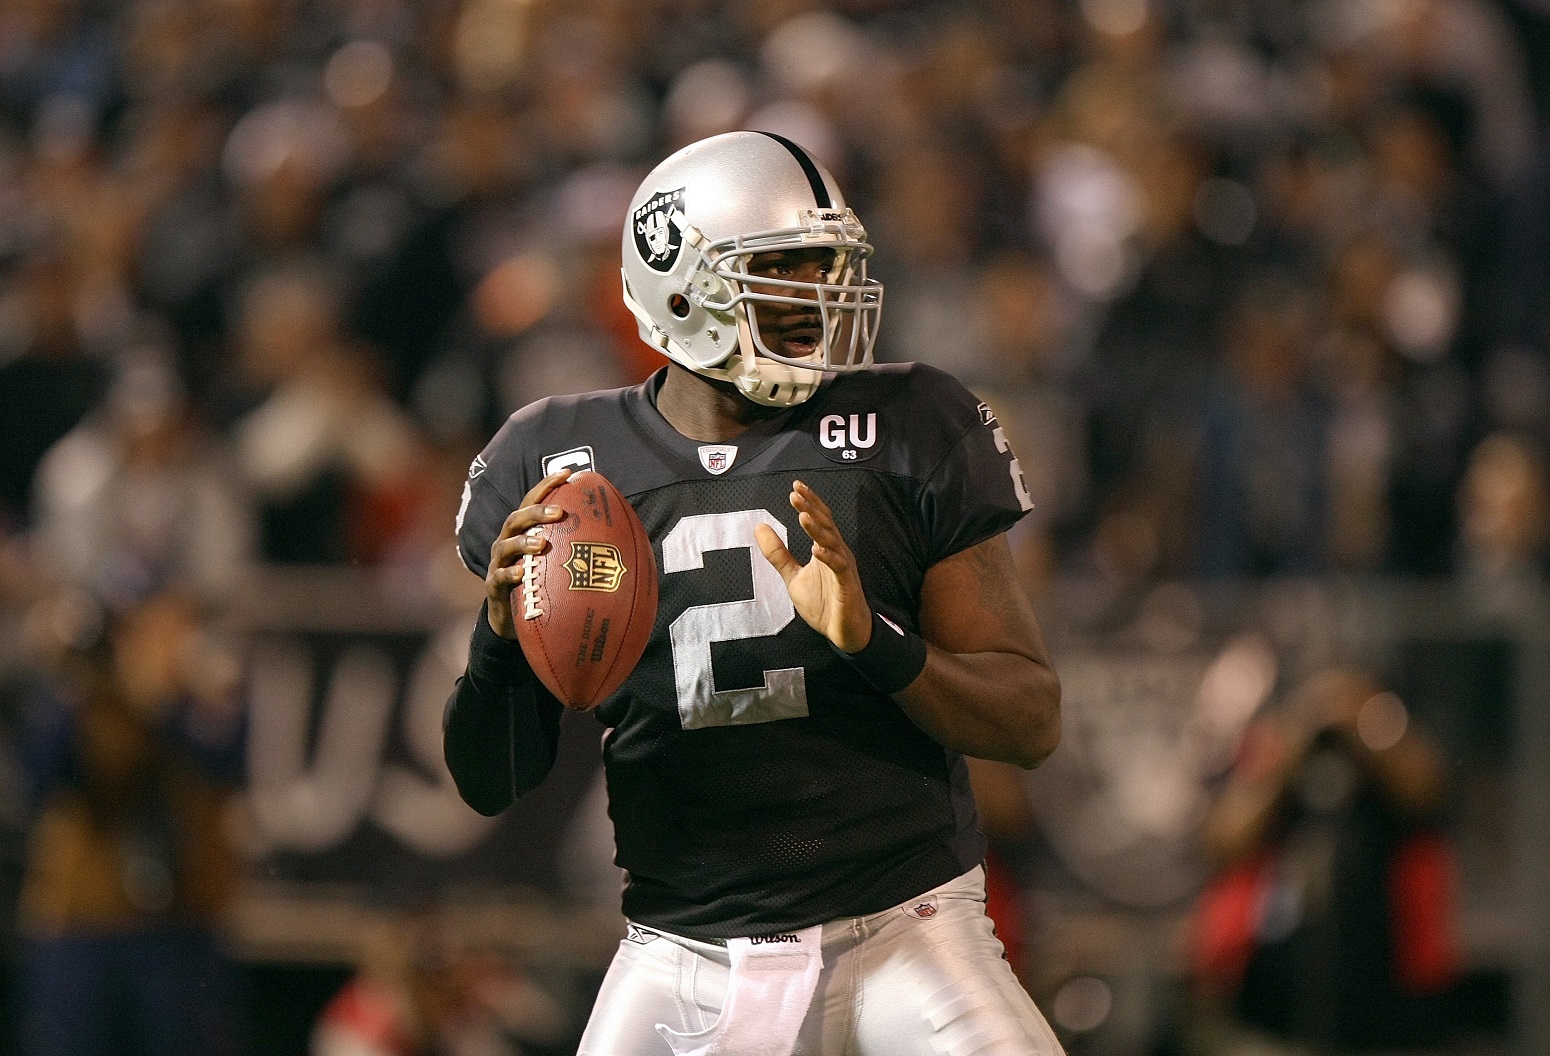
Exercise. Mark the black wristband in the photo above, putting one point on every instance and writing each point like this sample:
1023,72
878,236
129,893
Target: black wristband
494,660
893,658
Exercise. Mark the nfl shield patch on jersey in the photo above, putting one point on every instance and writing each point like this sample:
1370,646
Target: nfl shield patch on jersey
717,458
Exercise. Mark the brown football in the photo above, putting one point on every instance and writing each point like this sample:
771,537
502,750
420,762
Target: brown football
586,605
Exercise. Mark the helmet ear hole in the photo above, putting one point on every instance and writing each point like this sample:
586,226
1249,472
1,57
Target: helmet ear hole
679,305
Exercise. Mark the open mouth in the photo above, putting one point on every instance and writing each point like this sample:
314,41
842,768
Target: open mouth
800,342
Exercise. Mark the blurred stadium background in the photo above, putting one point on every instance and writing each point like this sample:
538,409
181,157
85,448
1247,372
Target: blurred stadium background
1259,288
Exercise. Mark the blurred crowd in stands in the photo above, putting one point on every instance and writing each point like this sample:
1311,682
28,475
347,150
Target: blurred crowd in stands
1257,287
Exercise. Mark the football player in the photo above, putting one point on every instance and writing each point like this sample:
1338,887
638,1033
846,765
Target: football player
839,624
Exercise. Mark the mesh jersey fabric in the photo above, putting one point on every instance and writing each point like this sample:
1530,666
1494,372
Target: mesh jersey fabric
756,783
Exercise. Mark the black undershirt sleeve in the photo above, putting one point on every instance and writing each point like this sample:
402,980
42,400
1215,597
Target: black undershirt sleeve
501,728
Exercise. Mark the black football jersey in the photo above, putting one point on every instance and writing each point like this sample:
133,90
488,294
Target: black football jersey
756,782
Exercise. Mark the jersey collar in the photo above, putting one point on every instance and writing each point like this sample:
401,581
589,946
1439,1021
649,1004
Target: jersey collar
750,442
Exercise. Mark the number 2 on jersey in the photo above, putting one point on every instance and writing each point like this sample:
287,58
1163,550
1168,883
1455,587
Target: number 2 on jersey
1019,485
700,704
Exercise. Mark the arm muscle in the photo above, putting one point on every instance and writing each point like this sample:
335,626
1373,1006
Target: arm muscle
988,689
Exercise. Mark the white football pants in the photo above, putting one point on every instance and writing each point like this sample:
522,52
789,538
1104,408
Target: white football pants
926,978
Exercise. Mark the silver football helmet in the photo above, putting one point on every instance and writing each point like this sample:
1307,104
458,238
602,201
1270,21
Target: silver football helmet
692,228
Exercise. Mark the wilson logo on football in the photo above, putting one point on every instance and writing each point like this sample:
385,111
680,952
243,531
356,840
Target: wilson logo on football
595,566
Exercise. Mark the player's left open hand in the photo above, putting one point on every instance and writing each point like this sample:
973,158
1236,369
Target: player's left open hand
827,590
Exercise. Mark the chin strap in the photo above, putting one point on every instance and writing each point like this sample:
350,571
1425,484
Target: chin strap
766,382
762,381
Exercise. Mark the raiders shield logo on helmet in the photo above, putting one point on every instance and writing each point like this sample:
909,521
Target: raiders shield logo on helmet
657,238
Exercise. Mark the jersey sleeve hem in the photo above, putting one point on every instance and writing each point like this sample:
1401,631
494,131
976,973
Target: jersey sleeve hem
972,542
482,568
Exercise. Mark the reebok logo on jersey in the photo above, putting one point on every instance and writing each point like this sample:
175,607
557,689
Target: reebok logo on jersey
986,414
925,909
760,940
576,460
637,934
717,458
476,467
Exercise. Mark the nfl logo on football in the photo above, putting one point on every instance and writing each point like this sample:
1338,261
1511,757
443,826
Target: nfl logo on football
595,566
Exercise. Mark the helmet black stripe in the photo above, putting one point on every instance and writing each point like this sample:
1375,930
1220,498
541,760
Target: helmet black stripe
814,177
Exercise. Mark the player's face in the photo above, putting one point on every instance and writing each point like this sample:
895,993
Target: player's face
789,329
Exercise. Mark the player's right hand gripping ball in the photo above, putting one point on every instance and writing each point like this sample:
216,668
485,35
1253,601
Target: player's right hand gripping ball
586,605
